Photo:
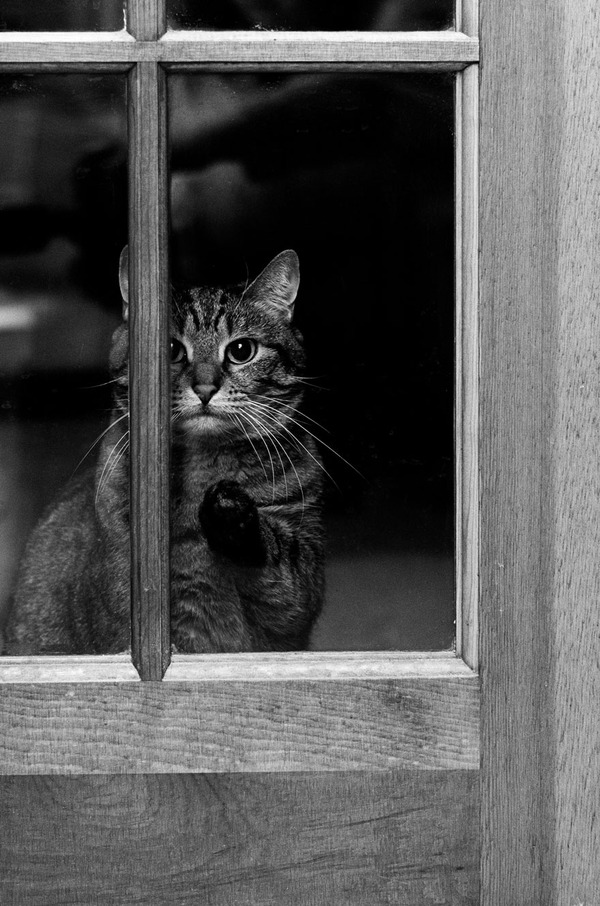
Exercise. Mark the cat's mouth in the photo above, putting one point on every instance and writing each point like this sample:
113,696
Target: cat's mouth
200,419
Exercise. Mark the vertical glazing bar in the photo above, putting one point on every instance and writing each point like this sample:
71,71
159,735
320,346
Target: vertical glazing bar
467,17
146,19
149,371
467,364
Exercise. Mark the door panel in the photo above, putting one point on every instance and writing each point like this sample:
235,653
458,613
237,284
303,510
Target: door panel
345,839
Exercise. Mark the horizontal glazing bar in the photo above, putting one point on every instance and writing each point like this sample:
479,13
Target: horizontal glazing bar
241,47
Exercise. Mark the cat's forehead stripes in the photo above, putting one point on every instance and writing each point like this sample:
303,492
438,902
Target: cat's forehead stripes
205,311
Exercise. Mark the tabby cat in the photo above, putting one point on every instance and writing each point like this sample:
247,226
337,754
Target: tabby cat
246,537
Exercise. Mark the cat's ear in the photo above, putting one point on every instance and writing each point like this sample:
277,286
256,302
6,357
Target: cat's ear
124,280
278,284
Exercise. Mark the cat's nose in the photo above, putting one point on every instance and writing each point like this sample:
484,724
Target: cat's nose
205,392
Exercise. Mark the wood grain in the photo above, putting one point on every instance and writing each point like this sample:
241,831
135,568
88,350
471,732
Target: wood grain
574,568
467,366
229,726
406,837
315,665
540,571
149,383
467,17
240,47
146,20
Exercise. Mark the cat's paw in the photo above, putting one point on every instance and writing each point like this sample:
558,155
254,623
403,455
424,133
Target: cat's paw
230,521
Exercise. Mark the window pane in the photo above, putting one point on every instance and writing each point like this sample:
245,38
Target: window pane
63,214
61,15
354,173
303,15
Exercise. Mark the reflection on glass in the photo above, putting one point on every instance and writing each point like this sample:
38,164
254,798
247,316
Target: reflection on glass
304,15
63,223
354,173
61,15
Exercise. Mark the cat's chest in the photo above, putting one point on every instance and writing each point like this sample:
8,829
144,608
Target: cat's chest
193,473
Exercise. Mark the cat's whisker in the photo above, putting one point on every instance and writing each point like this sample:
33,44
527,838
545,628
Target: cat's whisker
107,468
176,413
96,386
239,422
295,471
276,445
98,439
298,412
295,440
300,446
309,382
261,434
276,440
116,461
314,436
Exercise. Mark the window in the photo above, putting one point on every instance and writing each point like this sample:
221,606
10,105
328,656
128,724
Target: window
317,713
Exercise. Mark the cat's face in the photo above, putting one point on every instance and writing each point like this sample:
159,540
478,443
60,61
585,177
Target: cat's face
236,358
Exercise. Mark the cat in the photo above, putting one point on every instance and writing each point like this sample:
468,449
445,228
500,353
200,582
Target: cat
246,521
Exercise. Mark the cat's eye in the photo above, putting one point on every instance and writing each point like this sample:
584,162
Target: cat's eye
178,352
238,352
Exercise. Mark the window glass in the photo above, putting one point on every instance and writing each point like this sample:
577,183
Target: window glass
355,174
302,15
63,214
61,15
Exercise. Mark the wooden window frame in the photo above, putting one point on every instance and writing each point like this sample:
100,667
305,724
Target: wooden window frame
72,696
146,51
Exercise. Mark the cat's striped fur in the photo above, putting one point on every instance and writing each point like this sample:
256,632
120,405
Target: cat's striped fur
246,537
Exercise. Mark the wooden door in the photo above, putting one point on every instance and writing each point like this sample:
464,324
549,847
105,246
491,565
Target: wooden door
355,778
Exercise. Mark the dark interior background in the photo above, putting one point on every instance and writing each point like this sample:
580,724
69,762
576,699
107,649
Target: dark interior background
373,15
356,174
351,15
62,15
